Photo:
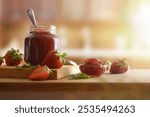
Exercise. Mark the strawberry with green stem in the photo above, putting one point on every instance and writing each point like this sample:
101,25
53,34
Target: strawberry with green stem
54,59
119,67
13,57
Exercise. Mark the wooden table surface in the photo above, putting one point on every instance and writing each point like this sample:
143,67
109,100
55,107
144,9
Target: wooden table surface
135,84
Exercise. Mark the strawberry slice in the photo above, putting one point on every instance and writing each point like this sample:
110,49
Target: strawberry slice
40,73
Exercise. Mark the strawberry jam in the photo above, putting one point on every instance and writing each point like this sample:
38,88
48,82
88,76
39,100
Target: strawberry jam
92,67
39,42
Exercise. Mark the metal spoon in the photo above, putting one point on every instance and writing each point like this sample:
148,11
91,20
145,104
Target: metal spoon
31,15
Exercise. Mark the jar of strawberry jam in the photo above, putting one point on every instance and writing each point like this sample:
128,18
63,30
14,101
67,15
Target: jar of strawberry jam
39,42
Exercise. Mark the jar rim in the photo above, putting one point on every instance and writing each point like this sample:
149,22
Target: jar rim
43,28
46,27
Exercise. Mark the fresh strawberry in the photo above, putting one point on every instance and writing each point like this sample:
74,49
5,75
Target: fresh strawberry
54,59
13,57
40,73
119,67
1,60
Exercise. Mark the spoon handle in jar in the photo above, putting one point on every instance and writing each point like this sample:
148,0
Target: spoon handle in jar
32,16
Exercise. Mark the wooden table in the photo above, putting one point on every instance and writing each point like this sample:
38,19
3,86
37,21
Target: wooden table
135,84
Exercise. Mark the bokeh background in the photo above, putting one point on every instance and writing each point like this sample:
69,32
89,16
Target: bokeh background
105,29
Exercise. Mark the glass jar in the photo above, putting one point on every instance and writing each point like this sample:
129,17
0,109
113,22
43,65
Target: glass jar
39,42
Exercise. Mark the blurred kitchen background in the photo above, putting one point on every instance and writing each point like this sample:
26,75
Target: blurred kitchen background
105,29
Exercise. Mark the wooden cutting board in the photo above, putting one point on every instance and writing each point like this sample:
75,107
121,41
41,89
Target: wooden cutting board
12,72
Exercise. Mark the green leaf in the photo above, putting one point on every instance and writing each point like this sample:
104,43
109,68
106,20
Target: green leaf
15,54
2,59
78,76
61,55
27,65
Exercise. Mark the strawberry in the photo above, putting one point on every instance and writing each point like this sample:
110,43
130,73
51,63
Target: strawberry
13,57
54,59
119,67
40,73
1,60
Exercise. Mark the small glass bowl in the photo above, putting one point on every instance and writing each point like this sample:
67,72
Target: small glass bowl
93,70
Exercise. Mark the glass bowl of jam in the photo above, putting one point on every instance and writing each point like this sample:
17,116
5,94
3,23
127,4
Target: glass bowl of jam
93,70
39,42
93,67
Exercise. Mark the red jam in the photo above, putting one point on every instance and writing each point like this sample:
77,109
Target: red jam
38,43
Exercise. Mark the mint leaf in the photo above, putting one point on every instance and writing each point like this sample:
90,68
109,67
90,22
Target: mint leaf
78,76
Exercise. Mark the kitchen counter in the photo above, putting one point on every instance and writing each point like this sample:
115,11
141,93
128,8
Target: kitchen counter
135,84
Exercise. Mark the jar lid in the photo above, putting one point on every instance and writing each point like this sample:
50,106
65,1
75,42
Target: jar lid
43,28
